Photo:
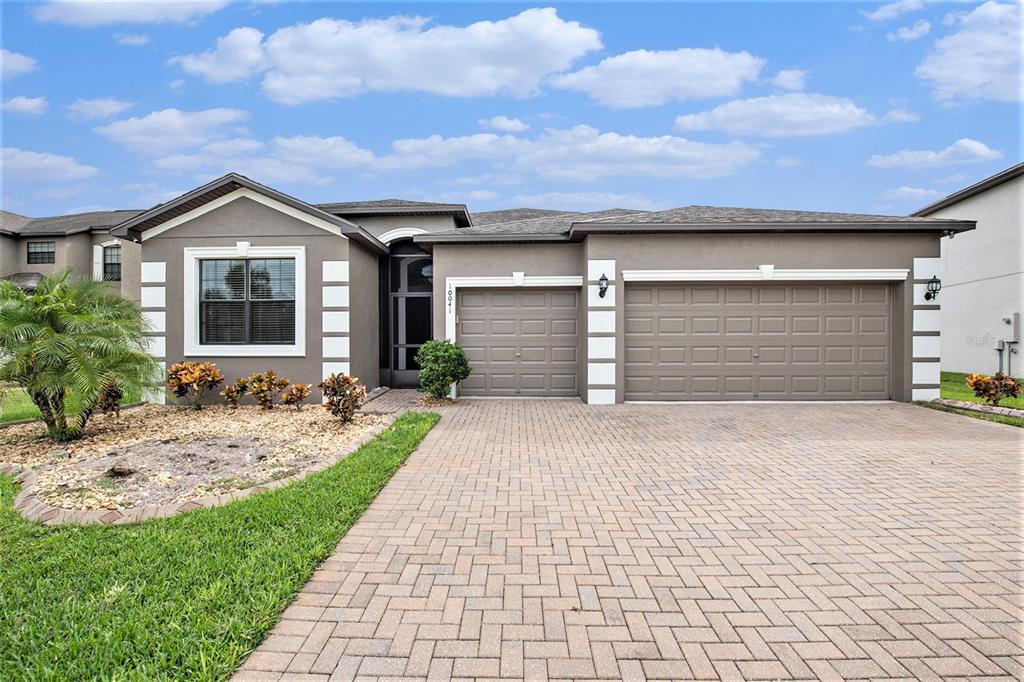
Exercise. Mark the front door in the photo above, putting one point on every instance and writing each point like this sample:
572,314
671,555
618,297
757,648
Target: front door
410,285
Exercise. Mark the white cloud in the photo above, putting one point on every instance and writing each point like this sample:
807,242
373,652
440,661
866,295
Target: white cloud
588,201
788,162
908,33
237,55
790,115
790,79
649,78
177,85
504,123
33,106
584,153
331,58
468,197
915,194
893,10
103,107
901,116
132,39
172,129
20,164
436,150
90,13
982,60
964,150
14,64
322,152
244,155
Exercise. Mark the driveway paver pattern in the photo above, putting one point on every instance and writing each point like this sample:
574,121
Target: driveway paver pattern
552,539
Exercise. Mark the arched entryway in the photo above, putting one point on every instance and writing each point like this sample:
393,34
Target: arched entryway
406,282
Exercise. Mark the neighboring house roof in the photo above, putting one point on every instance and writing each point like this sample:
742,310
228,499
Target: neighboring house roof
10,222
975,189
136,225
74,223
398,207
509,215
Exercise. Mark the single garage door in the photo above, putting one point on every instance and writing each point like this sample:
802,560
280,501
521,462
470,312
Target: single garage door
520,342
761,341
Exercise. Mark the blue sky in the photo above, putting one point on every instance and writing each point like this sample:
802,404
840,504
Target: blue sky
819,106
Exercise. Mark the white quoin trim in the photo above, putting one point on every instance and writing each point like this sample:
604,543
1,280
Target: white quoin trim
453,284
192,346
596,268
756,274
243,193
400,233
156,395
926,268
925,394
153,297
154,272
157,320
335,270
601,396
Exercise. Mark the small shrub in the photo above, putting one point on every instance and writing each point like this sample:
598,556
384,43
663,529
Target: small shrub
343,395
110,399
994,388
295,394
442,363
192,380
264,387
234,393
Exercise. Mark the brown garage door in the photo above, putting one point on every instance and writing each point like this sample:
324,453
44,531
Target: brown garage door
762,341
520,342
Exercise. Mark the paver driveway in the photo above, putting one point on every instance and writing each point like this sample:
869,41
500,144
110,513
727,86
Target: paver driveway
553,539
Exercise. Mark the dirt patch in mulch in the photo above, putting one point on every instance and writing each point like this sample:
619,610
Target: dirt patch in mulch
431,401
162,454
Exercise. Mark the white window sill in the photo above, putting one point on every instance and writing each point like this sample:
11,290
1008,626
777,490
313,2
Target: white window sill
246,351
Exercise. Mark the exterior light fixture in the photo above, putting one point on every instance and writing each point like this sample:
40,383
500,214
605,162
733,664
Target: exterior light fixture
602,285
934,286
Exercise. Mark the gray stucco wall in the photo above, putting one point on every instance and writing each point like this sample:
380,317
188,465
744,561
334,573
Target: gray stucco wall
246,220
8,255
364,314
378,225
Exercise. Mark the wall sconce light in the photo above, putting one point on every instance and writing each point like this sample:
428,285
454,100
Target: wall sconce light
602,286
934,286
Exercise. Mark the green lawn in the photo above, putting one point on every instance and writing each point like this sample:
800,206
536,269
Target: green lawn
997,418
184,598
15,404
954,387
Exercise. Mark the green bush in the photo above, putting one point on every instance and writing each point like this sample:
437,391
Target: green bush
442,363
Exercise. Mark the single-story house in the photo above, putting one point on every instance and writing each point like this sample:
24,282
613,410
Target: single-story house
983,275
694,303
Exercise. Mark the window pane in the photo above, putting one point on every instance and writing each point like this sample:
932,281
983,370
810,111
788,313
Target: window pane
412,274
41,252
272,279
222,322
405,358
412,319
222,280
112,263
272,322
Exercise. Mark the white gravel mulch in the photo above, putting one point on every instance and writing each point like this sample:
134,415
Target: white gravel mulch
166,454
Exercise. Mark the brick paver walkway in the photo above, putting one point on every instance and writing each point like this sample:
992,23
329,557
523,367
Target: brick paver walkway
553,539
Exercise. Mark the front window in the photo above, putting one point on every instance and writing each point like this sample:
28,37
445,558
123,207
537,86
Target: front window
112,263
247,301
41,252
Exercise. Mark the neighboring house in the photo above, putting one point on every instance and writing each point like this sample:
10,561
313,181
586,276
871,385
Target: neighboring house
695,303
983,275
31,248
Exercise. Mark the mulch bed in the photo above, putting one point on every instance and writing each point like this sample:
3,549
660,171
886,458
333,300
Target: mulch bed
158,454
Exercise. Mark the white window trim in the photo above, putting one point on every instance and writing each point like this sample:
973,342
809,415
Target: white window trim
97,258
191,302
400,233
243,193
766,273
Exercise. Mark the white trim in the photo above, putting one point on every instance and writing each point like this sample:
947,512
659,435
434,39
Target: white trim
156,395
767,271
601,396
756,403
400,233
335,297
335,321
453,284
601,348
154,272
335,270
153,297
157,320
193,255
924,394
926,268
925,373
927,321
241,193
600,321
335,346
242,249
600,373
594,299
756,274
927,346
97,261
156,346
596,268
329,368
919,291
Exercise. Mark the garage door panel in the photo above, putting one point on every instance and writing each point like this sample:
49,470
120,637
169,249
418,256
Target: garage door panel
671,325
522,342
824,341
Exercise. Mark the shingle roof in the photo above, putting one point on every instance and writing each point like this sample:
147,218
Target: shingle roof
722,214
75,222
558,223
378,203
12,221
509,215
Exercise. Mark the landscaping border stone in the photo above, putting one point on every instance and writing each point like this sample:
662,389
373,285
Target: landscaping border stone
34,509
4,425
978,407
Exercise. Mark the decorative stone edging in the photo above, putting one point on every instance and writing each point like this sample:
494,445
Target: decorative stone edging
978,407
31,420
34,509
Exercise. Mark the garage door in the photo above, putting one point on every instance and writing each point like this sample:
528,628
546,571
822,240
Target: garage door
520,342
768,342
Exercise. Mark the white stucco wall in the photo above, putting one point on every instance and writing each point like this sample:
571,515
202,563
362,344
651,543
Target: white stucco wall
984,279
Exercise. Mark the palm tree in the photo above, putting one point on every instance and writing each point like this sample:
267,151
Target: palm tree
72,336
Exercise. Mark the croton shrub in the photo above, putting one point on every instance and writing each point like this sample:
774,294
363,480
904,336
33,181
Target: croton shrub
343,395
993,389
295,394
192,380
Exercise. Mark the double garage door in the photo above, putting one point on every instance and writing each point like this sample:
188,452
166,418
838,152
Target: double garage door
688,341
